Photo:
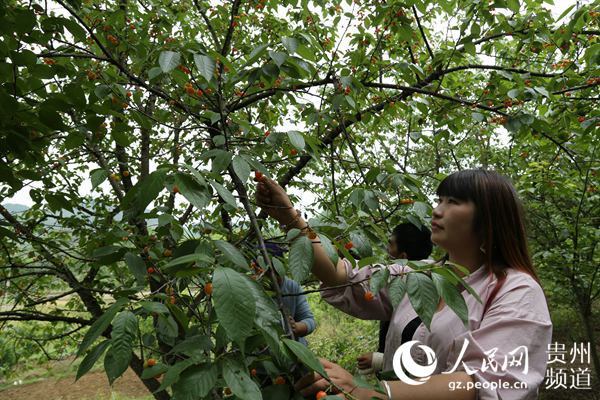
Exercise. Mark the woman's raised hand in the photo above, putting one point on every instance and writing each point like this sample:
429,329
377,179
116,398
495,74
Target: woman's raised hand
274,200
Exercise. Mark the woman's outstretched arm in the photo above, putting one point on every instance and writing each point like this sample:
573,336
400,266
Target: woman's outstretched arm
274,200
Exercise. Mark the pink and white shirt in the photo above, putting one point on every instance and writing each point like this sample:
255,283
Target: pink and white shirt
518,316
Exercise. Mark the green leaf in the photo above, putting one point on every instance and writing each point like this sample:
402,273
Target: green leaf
423,296
478,116
100,325
174,373
290,44
256,53
197,194
90,359
397,290
542,90
193,346
514,93
206,66
267,313
241,168
105,251
239,381
379,280
296,139
329,248
49,117
123,336
232,253
189,258
363,262
452,296
278,57
195,382
154,307
24,21
143,193
230,298
306,356
166,327
154,72
292,234
137,267
225,194
221,160
169,60
421,209
154,371
301,258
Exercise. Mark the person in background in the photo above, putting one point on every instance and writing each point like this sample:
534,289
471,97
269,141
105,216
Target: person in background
301,318
406,242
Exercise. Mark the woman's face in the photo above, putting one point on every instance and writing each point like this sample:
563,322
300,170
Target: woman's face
452,224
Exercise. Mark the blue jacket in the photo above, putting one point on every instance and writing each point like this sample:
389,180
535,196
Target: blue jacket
297,306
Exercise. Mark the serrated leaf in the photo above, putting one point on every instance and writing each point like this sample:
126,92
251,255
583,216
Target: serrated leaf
168,60
195,382
296,139
225,194
206,66
101,91
98,176
423,296
239,381
452,297
154,72
232,253
379,280
306,356
90,359
194,192
292,234
397,290
367,261
257,52
278,57
301,258
194,345
542,90
154,371
123,335
241,168
137,267
478,116
290,44
329,248
174,373
154,307
230,299
189,258
100,325
221,160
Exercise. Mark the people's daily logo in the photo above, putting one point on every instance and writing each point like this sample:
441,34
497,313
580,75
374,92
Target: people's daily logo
403,363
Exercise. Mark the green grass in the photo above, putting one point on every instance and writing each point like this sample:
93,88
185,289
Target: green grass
339,337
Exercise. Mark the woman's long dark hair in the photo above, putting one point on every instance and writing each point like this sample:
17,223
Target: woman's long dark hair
499,217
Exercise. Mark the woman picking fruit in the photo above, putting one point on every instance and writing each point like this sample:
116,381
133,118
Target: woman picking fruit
479,222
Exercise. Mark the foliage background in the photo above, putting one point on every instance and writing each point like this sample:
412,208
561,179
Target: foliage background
135,127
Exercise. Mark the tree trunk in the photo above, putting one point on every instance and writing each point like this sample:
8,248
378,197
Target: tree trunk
587,319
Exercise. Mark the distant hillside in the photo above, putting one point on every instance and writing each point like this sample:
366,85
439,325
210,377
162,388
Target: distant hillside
15,208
